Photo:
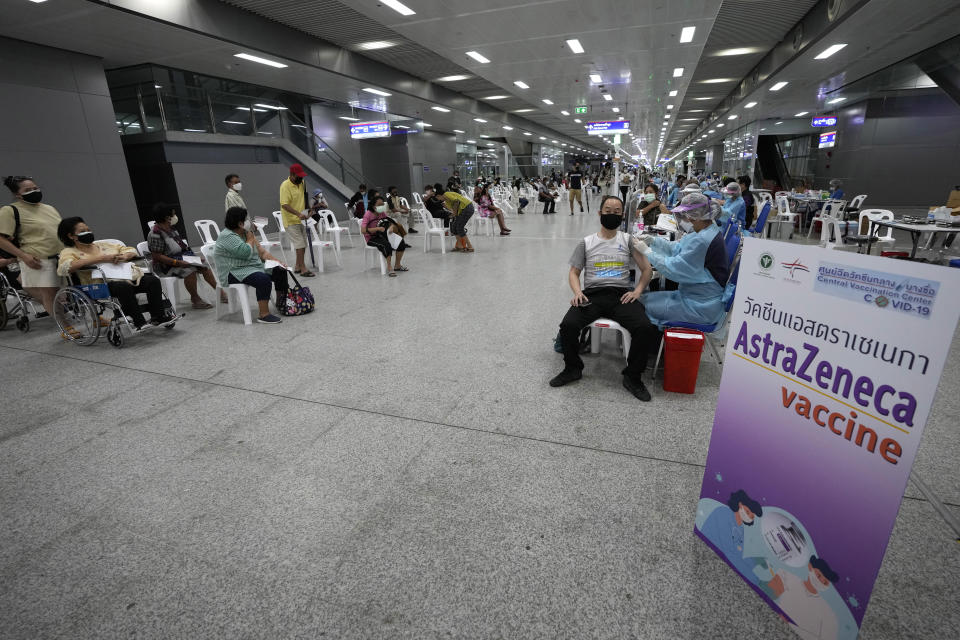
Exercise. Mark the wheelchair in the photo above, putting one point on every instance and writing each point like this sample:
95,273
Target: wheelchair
79,309
23,306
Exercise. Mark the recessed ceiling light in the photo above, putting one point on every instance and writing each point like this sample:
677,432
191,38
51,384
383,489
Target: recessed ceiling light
248,109
554,141
776,123
577,120
522,110
750,105
673,94
666,117
678,72
607,97
476,56
496,97
721,126
507,127
566,113
479,120
595,78
399,7
616,109
471,142
778,86
763,129
835,100
452,78
739,51
717,80
575,46
527,133
376,44
401,126
377,92
459,131
258,59
686,34
348,118
224,121
733,117
547,101
829,51
441,109
711,131
521,84
801,114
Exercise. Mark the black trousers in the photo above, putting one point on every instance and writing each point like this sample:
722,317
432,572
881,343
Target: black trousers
550,205
126,295
624,190
605,303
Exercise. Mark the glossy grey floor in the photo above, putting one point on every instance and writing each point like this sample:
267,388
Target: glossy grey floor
393,465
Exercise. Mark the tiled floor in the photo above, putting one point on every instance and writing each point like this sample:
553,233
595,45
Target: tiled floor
393,465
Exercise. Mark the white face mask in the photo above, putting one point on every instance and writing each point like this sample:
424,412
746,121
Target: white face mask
687,226
382,208
819,586
743,513
174,220
237,187
243,225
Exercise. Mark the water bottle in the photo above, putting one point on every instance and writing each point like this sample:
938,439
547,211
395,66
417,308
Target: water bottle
931,217
640,227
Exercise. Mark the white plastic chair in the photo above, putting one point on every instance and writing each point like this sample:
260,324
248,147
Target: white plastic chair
833,238
372,252
784,215
354,219
432,227
332,228
208,229
278,216
319,243
857,202
261,224
830,209
877,214
596,334
235,292
483,225
167,283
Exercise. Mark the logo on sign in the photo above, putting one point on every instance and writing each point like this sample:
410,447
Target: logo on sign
766,261
828,121
795,266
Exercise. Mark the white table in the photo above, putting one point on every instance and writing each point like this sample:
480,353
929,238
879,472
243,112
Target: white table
915,231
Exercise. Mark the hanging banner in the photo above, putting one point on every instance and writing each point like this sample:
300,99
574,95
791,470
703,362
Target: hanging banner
832,362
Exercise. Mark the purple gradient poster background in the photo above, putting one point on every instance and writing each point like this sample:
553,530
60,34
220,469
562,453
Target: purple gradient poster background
842,494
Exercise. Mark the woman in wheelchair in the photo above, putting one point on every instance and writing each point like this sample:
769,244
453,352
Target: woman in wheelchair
83,252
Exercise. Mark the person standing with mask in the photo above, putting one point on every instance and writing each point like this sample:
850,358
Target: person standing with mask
28,231
293,205
233,198
605,259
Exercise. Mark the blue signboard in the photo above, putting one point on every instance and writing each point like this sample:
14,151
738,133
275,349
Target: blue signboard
370,129
828,139
608,127
828,121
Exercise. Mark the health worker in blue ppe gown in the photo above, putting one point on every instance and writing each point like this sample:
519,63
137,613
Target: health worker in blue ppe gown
697,262
709,190
726,528
733,206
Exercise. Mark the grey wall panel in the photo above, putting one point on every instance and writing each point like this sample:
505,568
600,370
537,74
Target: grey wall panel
100,122
114,211
41,119
37,66
336,133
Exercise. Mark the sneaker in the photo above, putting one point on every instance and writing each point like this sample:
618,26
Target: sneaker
565,377
637,388
412,230
269,319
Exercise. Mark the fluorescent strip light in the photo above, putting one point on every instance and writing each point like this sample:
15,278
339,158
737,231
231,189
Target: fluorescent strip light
721,126
750,105
424,124
399,7
778,86
458,131
678,72
348,118
801,114
566,113
669,106
476,56
616,109
575,46
376,44
595,78
522,110
673,94
262,133
666,117
542,138
479,120
776,123
401,126
452,78
829,51
547,101
270,106
231,122
507,127
471,142
196,130
259,60
835,100
577,120
441,109
607,97
377,92
521,84
527,133
686,34
248,109
733,117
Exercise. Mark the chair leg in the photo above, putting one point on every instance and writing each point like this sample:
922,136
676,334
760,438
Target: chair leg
626,343
244,304
319,258
596,334
383,264
656,364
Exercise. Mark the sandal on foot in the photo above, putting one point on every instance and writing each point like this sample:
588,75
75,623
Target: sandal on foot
392,274
306,274
400,269
202,304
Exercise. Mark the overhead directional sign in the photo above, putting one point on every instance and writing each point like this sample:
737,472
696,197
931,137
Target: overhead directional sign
379,129
827,121
608,127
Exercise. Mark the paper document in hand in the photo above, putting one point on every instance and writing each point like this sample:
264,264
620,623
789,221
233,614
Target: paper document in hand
394,239
111,271
192,259
270,264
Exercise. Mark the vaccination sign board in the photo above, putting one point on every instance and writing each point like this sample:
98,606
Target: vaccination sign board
370,129
832,363
827,121
608,127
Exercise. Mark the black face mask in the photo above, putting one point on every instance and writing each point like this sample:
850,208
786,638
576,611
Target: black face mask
611,221
296,179
85,238
33,197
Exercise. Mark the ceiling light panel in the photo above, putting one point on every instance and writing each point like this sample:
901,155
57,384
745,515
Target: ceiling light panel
673,94
778,86
377,92
686,34
441,109
575,46
399,7
478,57
547,101
678,72
829,51
259,60
595,78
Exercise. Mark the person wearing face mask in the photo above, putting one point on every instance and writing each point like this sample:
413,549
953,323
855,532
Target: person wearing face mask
168,252
726,526
233,198
238,257
697,262
28,232
802,599
293,207
461,209
649,207
84,251
375,226
733,207
605,259
397,210
358,202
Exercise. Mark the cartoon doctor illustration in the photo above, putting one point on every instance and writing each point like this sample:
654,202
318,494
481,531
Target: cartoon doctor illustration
725,529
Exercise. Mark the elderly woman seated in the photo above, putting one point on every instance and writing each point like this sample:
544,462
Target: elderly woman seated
169,251
238,257
83,252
